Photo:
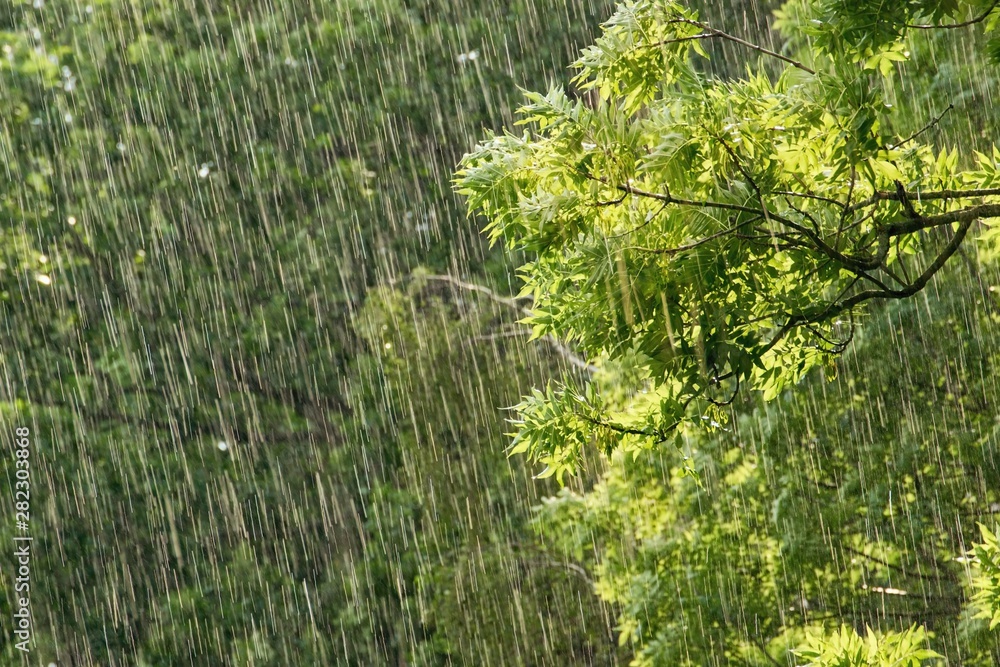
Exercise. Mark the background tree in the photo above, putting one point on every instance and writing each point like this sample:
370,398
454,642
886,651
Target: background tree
198,199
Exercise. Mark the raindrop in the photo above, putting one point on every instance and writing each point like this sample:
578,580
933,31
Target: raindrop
222,445
43,279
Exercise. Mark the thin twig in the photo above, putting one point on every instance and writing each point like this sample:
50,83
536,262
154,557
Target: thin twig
884,563
924,128
677,40
756,47
948,26
808,195
566,353
693,244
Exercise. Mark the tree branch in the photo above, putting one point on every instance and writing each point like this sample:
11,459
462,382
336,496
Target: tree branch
512,302
694,244
949,26
926,222
916,285
924,128
921,196
750,45
472,287
670,199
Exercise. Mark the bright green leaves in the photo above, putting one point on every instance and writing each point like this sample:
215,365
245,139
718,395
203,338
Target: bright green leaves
643,46
987,576
883,60
493,179
551,429
727,232
872,33
556,427
845,648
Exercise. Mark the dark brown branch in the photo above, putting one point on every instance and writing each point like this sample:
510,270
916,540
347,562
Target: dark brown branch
917,284
618,428
677,40
846,207
926,222
904,199
855,264
836,347
836,306
809,195
611,202
732,398
796,320
921,196
670,199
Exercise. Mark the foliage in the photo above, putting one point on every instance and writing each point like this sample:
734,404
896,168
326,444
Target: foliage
712,234
875,33
727,232
987,579
198,199
844,501
845,648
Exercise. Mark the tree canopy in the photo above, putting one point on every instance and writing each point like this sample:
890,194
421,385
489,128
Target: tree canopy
715,232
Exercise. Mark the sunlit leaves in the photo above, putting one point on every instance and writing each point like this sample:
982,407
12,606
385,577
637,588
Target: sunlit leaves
872,32
724,229
643,47
846,648
987,577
